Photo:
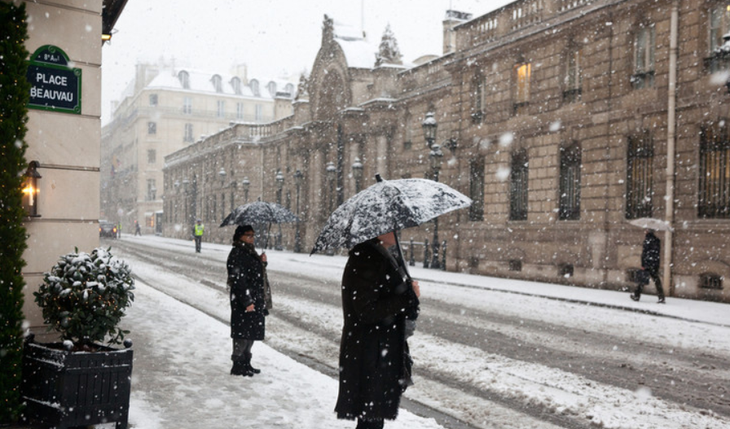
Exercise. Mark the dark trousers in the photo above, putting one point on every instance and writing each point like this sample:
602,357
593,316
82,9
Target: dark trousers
654,275
197,243
370,424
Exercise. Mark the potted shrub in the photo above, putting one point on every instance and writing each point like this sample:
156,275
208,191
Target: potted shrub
80,381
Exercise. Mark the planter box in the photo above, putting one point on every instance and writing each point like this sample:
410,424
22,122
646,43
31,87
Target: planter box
65,389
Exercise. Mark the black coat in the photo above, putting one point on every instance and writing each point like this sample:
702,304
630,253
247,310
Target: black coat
374,361
246,276
650,252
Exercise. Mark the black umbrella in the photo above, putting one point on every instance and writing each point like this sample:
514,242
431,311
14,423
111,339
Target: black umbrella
259,212
388,205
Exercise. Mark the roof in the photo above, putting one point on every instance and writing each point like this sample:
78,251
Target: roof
200,81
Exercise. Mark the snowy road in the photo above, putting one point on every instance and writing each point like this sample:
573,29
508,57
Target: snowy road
486,357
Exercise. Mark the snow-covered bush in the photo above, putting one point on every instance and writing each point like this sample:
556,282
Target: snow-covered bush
85,296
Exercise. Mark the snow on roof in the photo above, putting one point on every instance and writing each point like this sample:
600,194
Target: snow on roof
204,82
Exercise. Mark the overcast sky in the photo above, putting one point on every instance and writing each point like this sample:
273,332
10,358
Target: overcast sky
274,38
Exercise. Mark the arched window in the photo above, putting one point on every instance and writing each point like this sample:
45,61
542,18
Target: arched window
217,83
271,86
569,198
518,185
236,84
254,84
639,175
184,78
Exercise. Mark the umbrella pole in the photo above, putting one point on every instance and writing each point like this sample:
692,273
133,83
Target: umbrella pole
400,255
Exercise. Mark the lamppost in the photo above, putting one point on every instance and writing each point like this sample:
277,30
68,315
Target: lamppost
429,126
246,184
186,183
357,174
222,175
279,191
298,177
435,158
331,171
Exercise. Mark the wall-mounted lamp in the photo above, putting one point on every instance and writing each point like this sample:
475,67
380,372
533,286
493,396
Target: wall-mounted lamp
30,189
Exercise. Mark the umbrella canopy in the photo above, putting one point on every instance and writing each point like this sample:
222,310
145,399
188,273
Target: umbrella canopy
651,223
259,212
386,206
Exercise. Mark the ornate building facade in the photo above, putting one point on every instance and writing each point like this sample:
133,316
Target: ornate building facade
166,108
562,119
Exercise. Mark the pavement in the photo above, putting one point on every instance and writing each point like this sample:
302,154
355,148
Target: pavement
162,334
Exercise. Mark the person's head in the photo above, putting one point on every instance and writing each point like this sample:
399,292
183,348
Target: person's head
244,233
649,231
198,221
387,239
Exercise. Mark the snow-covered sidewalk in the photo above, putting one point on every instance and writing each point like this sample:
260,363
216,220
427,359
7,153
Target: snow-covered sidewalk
181,381
182,356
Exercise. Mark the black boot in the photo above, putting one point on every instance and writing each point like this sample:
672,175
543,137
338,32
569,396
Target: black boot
248,365
240,367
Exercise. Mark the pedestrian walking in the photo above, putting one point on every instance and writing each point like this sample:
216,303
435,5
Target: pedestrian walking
137,229
650,266
375,365
250,301
198,231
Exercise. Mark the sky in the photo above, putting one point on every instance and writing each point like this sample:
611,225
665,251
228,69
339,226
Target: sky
274,38
192,365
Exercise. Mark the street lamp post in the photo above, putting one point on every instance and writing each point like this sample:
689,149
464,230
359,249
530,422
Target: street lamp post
246,184
435,158
357,174
279,191
330,172
298,177
429,126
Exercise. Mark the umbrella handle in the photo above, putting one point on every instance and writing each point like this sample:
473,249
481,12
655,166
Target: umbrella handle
400,255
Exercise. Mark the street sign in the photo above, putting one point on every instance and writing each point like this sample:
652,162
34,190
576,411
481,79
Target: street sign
54,86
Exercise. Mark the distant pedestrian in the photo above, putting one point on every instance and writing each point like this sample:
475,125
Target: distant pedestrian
650,266
198,231
137,230
250,302
375,364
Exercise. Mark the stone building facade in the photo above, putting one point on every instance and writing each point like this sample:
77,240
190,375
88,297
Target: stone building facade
562,119
64,143
166,108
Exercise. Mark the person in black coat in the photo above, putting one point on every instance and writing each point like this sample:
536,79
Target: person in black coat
375,365
650,266
246,280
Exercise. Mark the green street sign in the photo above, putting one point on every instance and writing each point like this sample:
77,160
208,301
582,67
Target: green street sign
54,86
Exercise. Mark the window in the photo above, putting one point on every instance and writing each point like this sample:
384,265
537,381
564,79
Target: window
522,73
151,156
478,105
643,76
236,84
711,281
259,112
239,111
151,128
714,172
639,176
187,105
719,25
573,76
151,190
153,99
188,137
184,78
221,111
217,83
570,163
518,186
476,189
